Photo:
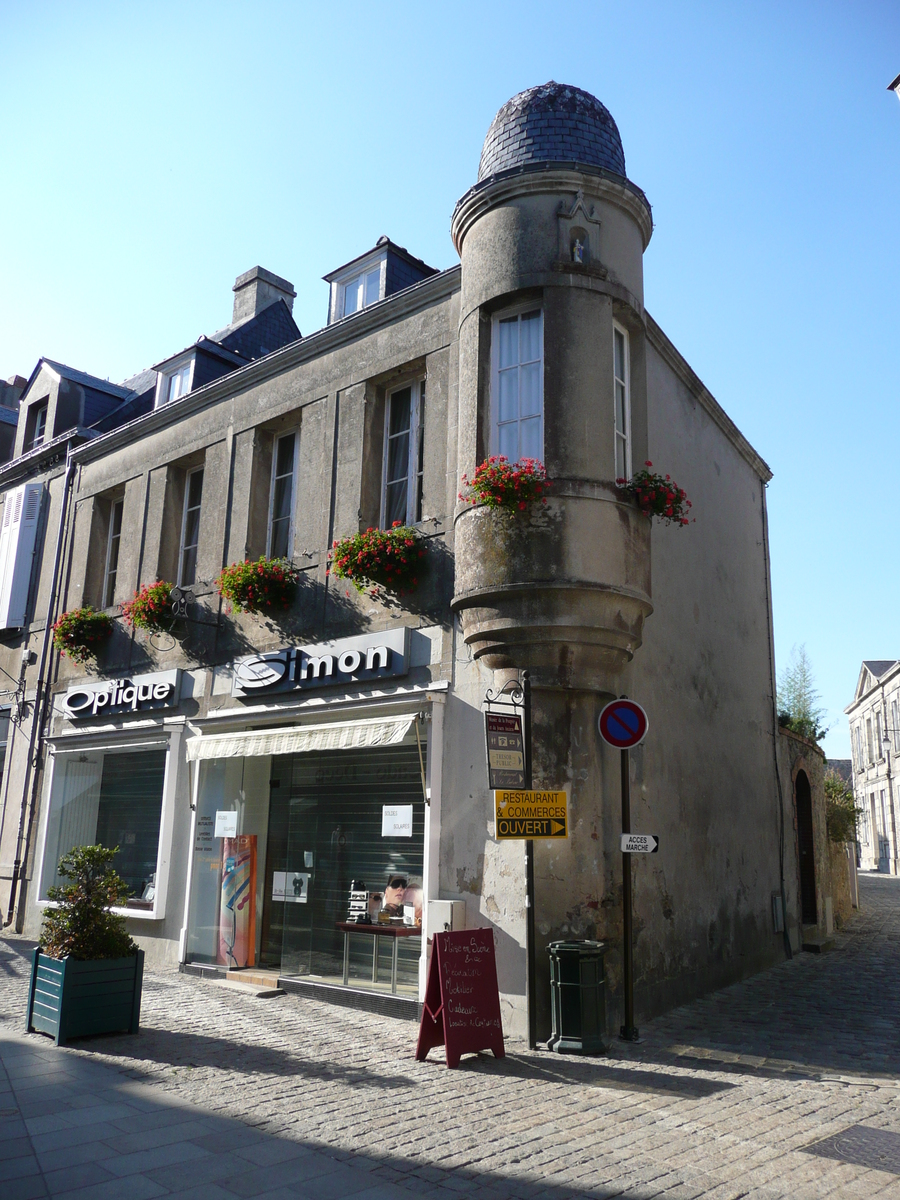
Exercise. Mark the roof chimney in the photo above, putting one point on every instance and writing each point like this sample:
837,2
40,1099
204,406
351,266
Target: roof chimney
256,289
12,390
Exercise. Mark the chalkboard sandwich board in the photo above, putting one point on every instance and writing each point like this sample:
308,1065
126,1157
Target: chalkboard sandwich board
462,1004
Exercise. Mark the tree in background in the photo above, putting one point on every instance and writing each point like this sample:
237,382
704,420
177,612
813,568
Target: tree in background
798,700
841,813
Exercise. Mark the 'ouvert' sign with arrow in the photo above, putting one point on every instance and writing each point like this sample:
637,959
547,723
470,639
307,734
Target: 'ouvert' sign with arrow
527,814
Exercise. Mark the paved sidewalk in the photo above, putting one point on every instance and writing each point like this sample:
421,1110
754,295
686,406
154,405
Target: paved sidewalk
787,1085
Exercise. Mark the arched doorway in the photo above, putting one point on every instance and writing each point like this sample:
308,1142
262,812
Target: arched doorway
805,844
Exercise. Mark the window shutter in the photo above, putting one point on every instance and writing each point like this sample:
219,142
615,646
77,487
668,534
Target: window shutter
18,535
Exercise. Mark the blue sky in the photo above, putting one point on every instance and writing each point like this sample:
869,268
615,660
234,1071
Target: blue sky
151,153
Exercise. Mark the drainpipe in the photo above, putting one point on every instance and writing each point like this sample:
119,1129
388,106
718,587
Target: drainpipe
42,698
887,757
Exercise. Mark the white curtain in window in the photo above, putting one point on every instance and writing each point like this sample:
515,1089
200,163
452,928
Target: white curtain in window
73,810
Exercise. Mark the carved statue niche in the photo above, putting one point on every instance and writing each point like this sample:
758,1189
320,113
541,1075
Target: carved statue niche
579,233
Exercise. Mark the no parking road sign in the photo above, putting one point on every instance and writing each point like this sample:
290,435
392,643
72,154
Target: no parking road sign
623,724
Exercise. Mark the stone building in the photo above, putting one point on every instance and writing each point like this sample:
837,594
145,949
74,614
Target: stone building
255,771
874,718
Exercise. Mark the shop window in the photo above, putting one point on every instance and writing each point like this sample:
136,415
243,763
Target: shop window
113,799
621,385
281,503
518,385
297,834
404,430
113,540
190,528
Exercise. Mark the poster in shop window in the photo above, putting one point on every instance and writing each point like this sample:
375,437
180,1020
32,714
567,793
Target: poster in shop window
237,902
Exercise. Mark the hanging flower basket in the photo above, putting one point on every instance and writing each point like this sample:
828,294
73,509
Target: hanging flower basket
267,585
151,608
658,496
498,483
79,634
380,560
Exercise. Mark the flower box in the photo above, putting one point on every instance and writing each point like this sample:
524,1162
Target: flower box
151,608
498,483
658,496
380,560
267,585
80,633
69,998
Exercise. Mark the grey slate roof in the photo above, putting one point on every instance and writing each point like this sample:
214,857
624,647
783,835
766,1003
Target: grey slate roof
269,330
91,381
552,123
879,666
140,383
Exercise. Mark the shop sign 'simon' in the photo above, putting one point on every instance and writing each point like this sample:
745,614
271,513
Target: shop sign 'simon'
350,660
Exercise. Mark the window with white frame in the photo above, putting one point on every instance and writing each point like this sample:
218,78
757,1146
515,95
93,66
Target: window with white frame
895,726
110,798
175,382
361,291
190,528
37,420
281,500
860,758
404,429
622,388
518,385
869,741
879,737
113,540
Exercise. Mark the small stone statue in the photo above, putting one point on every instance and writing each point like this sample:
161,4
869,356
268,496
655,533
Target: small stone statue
578,252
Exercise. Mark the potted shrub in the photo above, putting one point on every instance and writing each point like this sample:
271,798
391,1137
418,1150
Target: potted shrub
512,487
658,496
151,608
79,634
267,585
87,973
380,560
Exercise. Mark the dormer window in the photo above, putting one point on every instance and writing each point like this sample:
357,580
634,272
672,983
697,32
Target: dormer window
358,285
174,380
178,383
40,424
373,276
362,291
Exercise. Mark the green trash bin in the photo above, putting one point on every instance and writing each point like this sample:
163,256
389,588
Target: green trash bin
578,997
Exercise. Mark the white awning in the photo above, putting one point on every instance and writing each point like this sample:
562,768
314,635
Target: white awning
299,739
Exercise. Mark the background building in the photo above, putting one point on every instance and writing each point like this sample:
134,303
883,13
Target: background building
874,719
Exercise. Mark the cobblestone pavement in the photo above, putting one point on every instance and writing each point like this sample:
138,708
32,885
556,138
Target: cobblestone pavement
787,1085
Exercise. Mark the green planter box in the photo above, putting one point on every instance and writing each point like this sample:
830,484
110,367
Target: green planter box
70,999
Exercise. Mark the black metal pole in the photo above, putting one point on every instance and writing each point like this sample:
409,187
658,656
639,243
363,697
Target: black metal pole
529,870
627,1033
